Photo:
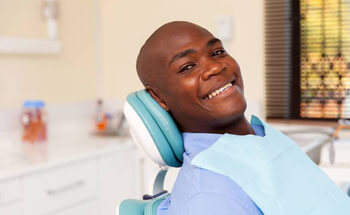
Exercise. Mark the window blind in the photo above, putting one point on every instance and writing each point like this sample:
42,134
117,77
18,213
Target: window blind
278,59
325,59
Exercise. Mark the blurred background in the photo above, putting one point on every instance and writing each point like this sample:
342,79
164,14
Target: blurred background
98,42
67,66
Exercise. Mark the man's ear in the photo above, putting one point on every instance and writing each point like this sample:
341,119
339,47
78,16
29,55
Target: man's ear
155,95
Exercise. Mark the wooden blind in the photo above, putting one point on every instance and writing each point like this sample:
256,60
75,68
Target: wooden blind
325,59
278,59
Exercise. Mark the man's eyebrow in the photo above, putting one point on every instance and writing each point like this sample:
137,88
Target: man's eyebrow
213,41
181,54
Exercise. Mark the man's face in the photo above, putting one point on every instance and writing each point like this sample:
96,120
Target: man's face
201,83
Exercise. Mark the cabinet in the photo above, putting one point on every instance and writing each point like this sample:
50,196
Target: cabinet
89,184
13,208
119,179
85,208
58,188
10,196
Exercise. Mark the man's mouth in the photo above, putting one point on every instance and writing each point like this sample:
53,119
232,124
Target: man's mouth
220,90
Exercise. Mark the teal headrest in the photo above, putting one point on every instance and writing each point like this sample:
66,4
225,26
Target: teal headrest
150,126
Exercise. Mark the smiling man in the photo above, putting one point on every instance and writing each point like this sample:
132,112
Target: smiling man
189,73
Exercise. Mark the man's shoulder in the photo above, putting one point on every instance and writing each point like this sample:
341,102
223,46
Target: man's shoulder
192,181
208,203
200,191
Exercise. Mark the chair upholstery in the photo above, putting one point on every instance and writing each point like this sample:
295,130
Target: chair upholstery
155,132
140,207
153,129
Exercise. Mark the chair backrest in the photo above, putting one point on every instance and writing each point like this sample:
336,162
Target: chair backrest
155,132
153,129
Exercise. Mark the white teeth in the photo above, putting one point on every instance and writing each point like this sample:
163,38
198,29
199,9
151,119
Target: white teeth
218,91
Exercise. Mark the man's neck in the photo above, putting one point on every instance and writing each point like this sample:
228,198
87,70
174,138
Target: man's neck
239,127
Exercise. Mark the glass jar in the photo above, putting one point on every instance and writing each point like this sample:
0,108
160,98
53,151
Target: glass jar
34,123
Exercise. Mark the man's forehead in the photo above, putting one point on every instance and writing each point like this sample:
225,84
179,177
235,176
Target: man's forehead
177,35
172,39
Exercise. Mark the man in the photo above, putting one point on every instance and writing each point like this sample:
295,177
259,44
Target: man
189,73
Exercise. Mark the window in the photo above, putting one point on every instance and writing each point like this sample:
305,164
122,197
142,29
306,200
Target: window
307,58
325,58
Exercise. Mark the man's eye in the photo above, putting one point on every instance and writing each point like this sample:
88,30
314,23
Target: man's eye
218,52
187,67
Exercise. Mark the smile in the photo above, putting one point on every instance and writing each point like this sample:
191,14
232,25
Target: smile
218,91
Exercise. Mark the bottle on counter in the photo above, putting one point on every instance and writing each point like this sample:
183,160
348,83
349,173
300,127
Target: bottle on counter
101,118
107,123
34,121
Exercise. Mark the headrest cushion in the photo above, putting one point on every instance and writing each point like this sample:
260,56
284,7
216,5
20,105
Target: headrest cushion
158,124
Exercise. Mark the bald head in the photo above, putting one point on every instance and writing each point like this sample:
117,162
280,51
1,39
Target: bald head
153,54
184,67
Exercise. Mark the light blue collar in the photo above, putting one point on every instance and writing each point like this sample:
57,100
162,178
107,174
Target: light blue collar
194,143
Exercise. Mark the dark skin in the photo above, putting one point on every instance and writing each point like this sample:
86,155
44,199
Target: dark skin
181,64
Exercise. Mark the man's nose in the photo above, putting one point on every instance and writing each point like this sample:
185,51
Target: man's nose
213,68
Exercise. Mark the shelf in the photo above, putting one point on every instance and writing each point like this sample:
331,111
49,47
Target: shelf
20,45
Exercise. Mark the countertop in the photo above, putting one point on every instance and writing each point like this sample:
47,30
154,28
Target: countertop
18,158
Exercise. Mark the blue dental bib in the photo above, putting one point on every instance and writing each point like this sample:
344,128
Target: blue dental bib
275,173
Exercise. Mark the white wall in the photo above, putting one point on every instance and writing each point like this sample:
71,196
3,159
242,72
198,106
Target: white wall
125,25
66,77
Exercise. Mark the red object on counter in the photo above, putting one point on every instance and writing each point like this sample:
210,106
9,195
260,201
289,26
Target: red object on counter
101,118
34,122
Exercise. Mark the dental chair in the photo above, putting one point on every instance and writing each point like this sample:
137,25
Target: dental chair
155,132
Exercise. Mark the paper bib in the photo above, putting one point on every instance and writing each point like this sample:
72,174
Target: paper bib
278,176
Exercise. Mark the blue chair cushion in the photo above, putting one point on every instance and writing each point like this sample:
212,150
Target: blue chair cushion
132,207
161,127
140,207
165,122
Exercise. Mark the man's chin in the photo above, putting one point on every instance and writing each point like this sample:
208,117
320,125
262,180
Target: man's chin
228,115
235,111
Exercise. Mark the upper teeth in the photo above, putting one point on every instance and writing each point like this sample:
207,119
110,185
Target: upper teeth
218,91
